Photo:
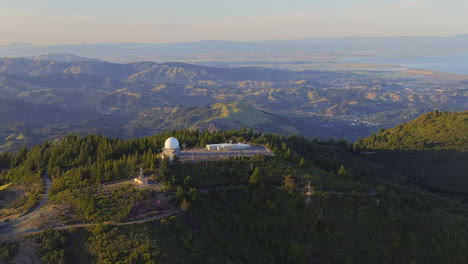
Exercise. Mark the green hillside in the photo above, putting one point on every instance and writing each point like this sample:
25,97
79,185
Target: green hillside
238,210
235,115
432,131
212,117
26,131
431,151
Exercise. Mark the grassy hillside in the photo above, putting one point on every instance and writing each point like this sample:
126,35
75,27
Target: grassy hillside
36,123
214,117
237,115
435,131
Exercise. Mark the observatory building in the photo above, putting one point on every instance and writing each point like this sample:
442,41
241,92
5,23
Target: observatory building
171,147
227,146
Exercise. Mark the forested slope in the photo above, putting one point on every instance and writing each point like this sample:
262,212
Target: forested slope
243,209
431,131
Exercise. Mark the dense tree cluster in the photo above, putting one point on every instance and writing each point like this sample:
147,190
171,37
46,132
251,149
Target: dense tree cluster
431,131
240,210
79,165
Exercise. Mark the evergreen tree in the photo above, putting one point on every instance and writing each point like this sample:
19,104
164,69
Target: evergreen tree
342,171
302,162
184,205
289,184
255,177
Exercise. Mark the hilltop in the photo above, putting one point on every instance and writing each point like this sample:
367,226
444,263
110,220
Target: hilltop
431,131
217,117
431,151
236,210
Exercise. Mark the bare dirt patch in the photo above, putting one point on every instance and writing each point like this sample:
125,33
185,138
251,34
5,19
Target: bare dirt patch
48,216
26,253
11,200
150,206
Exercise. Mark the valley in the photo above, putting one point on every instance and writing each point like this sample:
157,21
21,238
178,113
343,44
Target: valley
43,99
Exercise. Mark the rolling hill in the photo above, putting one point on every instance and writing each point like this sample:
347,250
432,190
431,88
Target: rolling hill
216,117
141,71
431,151
431,131
138,96
26,124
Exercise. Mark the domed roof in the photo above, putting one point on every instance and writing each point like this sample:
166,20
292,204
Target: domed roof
171,143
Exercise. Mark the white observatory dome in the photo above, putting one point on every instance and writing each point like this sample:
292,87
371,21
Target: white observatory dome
171,143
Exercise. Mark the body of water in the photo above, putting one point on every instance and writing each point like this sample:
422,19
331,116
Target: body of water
448,63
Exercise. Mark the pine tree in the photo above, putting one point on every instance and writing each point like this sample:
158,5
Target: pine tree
255,177
179,192
342,171
289,184
184,205
302,162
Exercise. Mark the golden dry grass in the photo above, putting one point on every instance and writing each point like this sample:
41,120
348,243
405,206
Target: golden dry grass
5,186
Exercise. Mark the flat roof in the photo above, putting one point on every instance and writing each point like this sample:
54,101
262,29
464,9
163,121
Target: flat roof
228,144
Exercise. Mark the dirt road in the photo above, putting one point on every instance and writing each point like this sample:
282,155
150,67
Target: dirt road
16,235
9,231
9,227
42,202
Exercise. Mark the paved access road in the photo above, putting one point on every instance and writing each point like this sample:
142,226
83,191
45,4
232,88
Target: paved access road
202,154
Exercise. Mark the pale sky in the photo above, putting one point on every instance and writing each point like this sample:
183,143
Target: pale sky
44,22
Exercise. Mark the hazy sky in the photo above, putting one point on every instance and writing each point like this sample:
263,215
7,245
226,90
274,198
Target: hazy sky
102,21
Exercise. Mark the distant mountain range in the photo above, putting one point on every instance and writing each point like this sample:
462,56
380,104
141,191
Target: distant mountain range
43,99
141,71
280,50
63,57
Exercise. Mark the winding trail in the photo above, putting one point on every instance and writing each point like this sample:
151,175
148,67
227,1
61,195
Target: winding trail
8,227
8,232
42,202
15,235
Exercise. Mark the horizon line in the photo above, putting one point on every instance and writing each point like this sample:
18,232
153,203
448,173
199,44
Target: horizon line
14,43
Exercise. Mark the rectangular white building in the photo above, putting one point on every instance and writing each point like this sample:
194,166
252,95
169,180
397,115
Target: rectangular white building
227,146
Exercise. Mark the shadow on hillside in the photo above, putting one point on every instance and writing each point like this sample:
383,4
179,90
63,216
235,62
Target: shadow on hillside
441,171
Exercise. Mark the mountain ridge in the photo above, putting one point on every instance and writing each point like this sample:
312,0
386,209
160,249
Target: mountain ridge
349,102
140,71
233,50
